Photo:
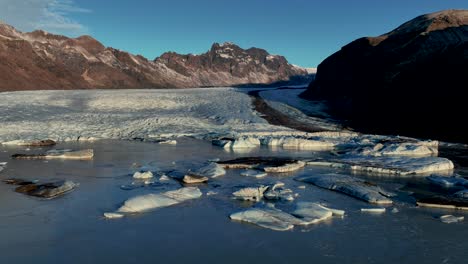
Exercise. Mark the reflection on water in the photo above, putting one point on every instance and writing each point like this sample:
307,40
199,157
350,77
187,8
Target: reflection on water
71,229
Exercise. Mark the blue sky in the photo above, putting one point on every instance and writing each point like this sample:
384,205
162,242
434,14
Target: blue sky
305,31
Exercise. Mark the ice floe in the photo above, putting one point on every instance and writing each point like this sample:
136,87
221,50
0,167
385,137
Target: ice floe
250,193
143,175
298,143
212,170
47,190
457,200
402,166
312,213
306,213
190,179
351,186
113,215
286,167
373,210
2,166
267,218
449,219
147,202
254,174
278,192
245,142
447,182
86,154
401,149
267,164
463,194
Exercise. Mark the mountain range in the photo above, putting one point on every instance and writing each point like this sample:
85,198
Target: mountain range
39,60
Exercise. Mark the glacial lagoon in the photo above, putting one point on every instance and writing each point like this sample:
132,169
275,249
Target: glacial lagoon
72,229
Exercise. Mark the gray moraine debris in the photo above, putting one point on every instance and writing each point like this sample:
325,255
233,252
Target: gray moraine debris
31,143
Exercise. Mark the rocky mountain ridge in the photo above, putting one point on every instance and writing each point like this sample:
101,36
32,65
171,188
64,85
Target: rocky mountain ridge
40,60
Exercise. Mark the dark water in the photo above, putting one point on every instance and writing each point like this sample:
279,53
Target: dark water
71,229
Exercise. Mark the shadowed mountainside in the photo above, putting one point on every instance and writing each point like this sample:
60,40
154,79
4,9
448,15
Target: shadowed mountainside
410,81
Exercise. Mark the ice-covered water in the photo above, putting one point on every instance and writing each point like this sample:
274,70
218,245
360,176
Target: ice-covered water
71,229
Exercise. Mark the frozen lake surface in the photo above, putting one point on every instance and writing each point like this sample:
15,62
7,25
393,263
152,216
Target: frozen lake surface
71,228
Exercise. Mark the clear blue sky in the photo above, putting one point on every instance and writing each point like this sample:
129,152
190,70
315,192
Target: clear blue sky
305,31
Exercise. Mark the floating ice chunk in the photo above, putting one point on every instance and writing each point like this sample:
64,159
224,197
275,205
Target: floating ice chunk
390,165
463,194
298,143
277,192
164,178
222,143
329,164
307,144
211,170
449,219
312,213
401,149
272,141
254,173
168,142
245,142
336,212
2,166
256,163
373,210
265,218
286,167
113,215
250,193
211,193
305,214
301,187
351,186
453,203
143,175
86,154
447,182
148,202
194,179
395,210
47,190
